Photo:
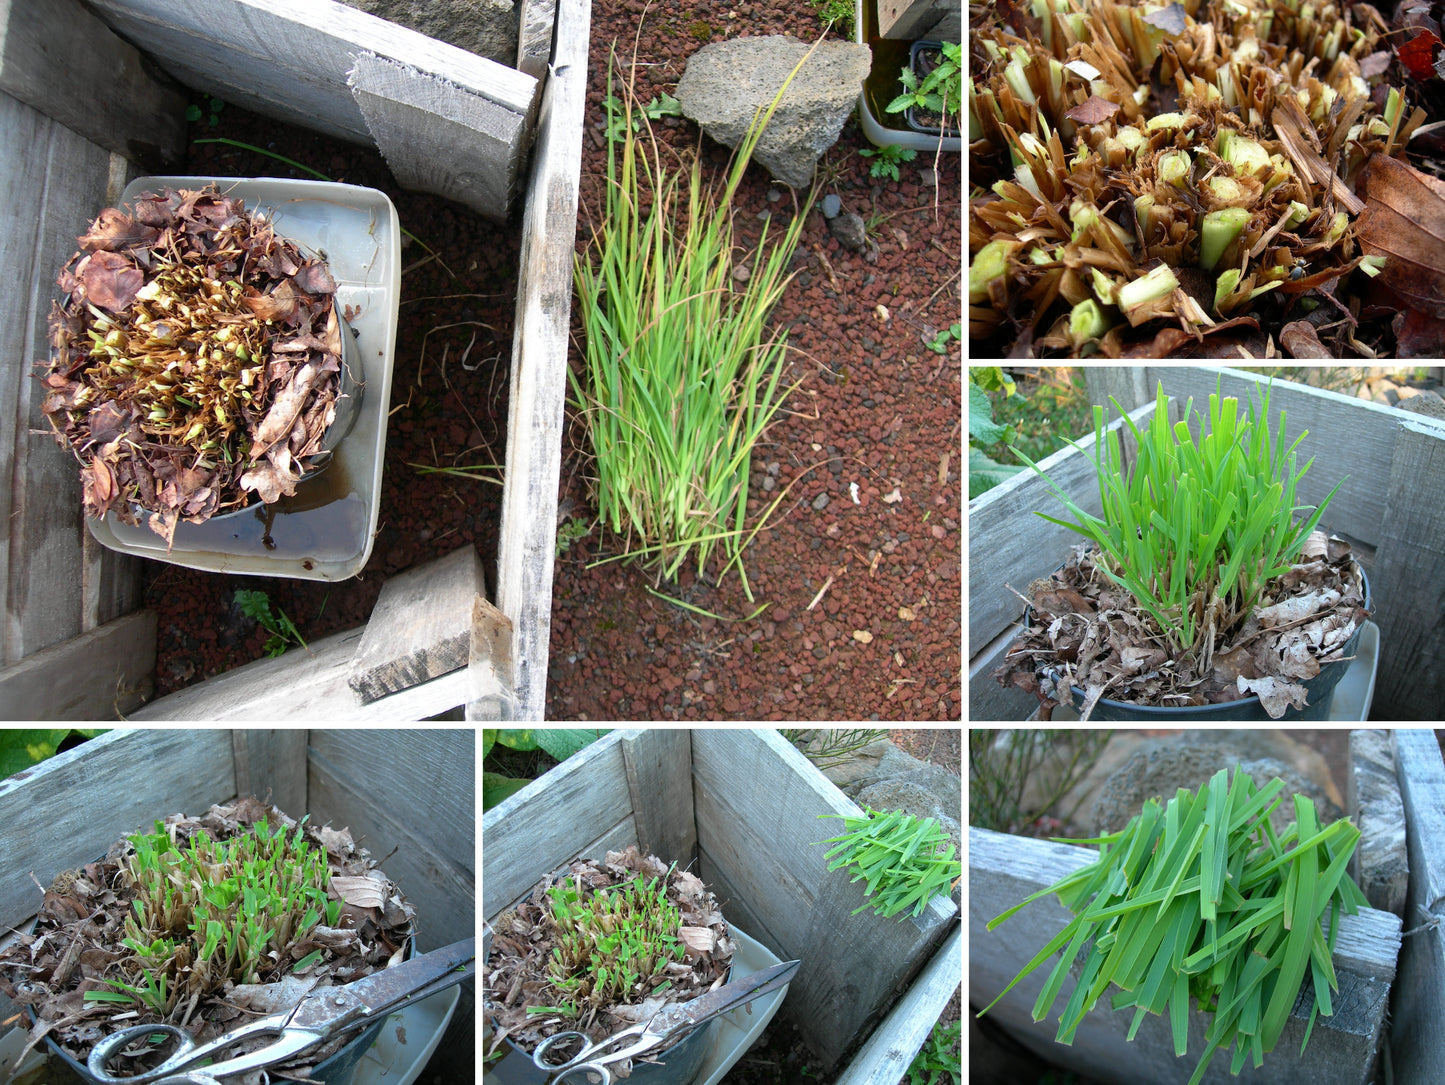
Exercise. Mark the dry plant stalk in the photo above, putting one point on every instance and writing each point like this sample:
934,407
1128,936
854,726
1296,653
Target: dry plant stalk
196,360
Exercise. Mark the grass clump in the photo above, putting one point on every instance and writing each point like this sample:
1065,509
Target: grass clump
904,861
216,912
682,374
1200,900
612,946
1196,529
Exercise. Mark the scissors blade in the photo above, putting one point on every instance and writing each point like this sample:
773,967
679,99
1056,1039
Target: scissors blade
423,975
738,992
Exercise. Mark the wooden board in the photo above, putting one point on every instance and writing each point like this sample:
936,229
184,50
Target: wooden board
1409,572
305,685
51,57
758,802
290,59
420,628
989,702
271,765
48,195
885,1058
658,763
911,20
1003,870
98,675
1009,545
527,548
553,819
490,693
536,23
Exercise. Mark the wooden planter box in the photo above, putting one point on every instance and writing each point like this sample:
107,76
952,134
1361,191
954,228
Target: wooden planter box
743,805
488,135
409,792
1343,1048
1393,466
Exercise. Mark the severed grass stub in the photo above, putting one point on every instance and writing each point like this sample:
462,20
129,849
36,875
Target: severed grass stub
1199,900
196,360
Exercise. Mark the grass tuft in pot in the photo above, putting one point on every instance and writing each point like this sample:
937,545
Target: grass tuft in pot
1199,901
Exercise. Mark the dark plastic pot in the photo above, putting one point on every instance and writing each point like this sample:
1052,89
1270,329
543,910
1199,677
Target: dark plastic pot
1319,694
911,113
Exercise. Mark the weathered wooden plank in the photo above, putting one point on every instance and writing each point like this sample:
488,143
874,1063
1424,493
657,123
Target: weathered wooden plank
527,548
409,797
912,20
658,762
289,59
1352,441
420,628
553,819
987,700
439,138
885,1058
490,694
1381,862
1004,869
272,763
53,54
1409,577
1009,545
66,811
1417,1043
758,806
48,195
99,675
536,22
307,685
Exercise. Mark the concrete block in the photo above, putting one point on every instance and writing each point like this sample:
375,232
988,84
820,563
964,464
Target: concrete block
1004,869
1381,865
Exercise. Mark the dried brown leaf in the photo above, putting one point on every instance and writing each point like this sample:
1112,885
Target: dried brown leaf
1404,221
110,280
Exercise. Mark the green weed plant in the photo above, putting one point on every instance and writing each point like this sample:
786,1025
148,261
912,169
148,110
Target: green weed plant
216,911
937,1060
283,632
1198,528
886,160
612,945
682,374
904,861
1199,900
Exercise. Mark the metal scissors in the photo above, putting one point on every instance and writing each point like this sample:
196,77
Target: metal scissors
319,1016
664,1026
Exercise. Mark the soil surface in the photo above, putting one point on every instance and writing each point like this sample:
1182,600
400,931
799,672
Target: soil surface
863,595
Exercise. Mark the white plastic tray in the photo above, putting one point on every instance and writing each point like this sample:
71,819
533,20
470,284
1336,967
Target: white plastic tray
407,1040
356,229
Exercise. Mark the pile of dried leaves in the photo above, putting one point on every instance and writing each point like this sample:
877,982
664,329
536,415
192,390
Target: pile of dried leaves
522,942
76,944
196,360
1084,632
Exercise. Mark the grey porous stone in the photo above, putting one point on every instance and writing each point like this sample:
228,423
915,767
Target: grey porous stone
726,83
485,27
903,782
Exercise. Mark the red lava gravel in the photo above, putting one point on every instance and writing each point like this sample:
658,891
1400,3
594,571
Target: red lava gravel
864,598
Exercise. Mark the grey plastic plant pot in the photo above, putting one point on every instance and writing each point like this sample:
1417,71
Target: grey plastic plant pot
1319,695
879,126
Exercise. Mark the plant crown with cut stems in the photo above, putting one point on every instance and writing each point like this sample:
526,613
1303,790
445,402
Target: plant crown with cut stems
681,374
905,861
216,911
1195,531
612,946
1200,898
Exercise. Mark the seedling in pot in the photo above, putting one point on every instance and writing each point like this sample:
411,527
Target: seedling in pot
1201,900
903,860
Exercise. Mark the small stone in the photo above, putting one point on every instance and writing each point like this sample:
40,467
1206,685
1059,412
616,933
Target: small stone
742,273
774,195
928,178
849,229
832,204
820,502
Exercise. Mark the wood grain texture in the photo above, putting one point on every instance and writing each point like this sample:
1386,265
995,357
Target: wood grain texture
272,763
1408,581
97,675
527,548
758,801
556,817
989,702
1417,1044
536,24
911,20
440,138
658,762
47,196
420,628
305,685
51,55
885,1057
409,797
1005,869
66,811
490,694
1008,544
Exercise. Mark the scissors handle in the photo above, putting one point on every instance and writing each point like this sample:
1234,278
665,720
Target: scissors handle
289,1041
